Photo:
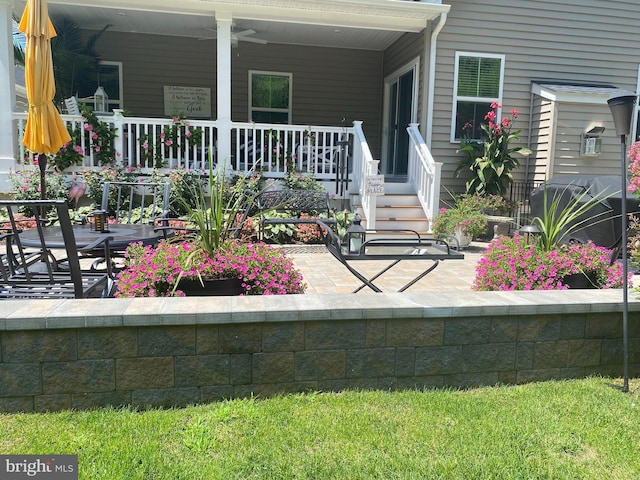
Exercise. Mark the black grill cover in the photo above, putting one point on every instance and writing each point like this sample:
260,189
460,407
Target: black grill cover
604,219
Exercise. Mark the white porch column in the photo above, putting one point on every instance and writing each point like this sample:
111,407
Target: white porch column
223,43
7,96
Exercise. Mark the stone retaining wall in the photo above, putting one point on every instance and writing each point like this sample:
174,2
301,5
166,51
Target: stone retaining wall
165,352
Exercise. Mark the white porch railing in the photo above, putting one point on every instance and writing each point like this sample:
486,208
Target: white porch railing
364,165
143,143
424,173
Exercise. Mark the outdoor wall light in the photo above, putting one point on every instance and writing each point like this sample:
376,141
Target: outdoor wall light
591,141
355,235
622,107
100,100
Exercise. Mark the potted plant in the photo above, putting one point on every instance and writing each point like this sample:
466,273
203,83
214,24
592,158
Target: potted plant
464,220
209,250
180,268
546,262
461,223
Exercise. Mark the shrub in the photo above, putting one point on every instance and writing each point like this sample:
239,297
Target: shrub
154,271
509,263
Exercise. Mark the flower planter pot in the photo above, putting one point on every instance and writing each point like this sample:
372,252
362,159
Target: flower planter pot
212,288
463,240
580,280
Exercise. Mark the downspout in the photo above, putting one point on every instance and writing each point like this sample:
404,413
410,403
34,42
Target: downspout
432,84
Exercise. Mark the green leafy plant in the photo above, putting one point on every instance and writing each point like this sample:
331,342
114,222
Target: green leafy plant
556,224
294,179
491,160
173,139
465,215
218,212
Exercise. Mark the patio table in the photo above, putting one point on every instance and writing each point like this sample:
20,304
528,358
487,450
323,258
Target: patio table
391,250
122,235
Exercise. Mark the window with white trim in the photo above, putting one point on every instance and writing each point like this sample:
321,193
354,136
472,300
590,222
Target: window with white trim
478,83
270,97
109,77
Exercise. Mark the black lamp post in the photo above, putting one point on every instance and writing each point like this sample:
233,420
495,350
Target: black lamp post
622,106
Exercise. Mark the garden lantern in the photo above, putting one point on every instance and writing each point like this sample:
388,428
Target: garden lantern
356,235
100,221
100,100
529,233
622,107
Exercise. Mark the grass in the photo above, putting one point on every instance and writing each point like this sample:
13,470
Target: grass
579,429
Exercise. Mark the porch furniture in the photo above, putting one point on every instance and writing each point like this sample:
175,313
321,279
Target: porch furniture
136,202
393,250
121,235
293,203
31,270
134,206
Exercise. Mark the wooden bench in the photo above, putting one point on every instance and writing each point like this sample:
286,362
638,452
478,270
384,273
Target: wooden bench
38,272
294,203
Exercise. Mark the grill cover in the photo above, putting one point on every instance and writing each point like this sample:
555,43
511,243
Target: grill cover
603,220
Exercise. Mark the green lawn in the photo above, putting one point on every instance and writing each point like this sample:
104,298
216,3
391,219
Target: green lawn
585,429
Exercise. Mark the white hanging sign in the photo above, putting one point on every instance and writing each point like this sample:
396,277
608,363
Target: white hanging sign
374,184
192,102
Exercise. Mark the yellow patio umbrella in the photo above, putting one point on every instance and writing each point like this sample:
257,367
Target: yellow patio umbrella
45,132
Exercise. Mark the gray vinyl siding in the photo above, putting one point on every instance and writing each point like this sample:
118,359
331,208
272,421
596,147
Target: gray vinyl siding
585,41
541,140
573,120
328,83
153,61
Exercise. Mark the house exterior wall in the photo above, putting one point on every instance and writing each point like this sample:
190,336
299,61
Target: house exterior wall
573,120
575,40
542,115
328,83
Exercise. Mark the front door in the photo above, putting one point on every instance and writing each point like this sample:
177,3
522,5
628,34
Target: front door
400,113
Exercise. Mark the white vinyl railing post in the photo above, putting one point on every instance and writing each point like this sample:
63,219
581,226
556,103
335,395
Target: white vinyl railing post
368,166
424,173
119,125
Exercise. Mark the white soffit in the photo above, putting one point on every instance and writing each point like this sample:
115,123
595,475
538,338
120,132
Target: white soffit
575,92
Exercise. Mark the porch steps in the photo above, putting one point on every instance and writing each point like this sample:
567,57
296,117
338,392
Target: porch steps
396,211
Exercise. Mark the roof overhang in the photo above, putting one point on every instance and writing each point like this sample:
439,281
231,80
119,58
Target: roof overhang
190,17
567,92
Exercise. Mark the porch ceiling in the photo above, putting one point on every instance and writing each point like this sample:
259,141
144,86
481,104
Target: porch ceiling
370,24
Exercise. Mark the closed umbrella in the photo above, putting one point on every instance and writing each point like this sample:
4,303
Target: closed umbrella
45,132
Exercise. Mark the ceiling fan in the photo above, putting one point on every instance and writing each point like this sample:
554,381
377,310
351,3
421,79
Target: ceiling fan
242,36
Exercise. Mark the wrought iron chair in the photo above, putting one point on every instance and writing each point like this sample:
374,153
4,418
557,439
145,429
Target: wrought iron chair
133,203
32,271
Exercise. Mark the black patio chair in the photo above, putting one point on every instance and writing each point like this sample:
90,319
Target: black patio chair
30,270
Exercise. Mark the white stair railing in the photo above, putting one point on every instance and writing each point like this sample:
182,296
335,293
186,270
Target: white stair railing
424,174
365,165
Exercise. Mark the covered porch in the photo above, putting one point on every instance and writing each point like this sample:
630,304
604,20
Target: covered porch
360,78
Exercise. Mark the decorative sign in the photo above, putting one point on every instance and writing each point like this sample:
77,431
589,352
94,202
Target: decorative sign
193,102
374,184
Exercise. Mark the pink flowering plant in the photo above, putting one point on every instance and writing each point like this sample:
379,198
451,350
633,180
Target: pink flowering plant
157,271
491,160
510,263
175,138
633,156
